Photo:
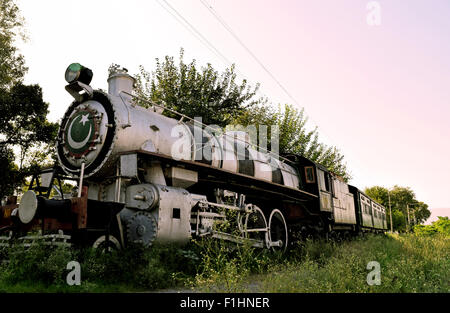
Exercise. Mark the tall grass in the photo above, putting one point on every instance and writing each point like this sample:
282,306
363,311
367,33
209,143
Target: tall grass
43,268
408,263
226,267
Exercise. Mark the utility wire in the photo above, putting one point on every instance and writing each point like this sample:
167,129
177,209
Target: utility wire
193,31
211,47
230,30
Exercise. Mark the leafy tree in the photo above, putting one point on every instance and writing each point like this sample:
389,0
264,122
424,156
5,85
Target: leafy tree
23,124
12,66
420,212
8,171
398,220
220,100
401,198
378,194
23,117
294,138
217,98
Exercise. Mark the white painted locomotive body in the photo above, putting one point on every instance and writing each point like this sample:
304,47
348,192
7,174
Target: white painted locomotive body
95,133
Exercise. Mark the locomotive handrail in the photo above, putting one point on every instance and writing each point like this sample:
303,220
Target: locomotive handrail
282,159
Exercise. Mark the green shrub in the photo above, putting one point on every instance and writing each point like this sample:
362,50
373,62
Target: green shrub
38,263
441,226
160,266
425,230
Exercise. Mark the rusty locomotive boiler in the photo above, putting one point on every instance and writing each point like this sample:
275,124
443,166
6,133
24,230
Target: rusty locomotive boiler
142,177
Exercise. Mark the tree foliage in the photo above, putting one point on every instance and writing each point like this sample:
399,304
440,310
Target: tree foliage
441,226
23,116
294,137
23,126
24,129
220,100
8,171
401,199
12,66
216,98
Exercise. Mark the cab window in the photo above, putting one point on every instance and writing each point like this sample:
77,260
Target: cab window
324,181
309,174
327,182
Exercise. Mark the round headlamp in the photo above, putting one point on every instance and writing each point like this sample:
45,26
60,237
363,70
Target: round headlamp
77,72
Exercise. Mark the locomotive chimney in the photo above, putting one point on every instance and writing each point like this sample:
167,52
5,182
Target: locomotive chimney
119,80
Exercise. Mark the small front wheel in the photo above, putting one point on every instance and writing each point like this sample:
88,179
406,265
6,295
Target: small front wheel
102,245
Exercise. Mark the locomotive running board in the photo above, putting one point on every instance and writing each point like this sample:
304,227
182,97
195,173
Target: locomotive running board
216,175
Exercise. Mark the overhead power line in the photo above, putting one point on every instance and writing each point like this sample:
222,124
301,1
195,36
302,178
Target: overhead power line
172,11
230,30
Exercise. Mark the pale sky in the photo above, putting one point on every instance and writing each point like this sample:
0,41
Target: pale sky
379,93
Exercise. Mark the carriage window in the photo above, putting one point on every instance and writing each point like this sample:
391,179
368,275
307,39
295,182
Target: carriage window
309,173
324,180
321,179
327,183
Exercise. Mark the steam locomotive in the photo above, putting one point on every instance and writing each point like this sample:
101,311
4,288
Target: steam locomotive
143,177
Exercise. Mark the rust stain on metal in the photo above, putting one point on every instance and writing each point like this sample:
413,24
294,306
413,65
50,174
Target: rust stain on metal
79,207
